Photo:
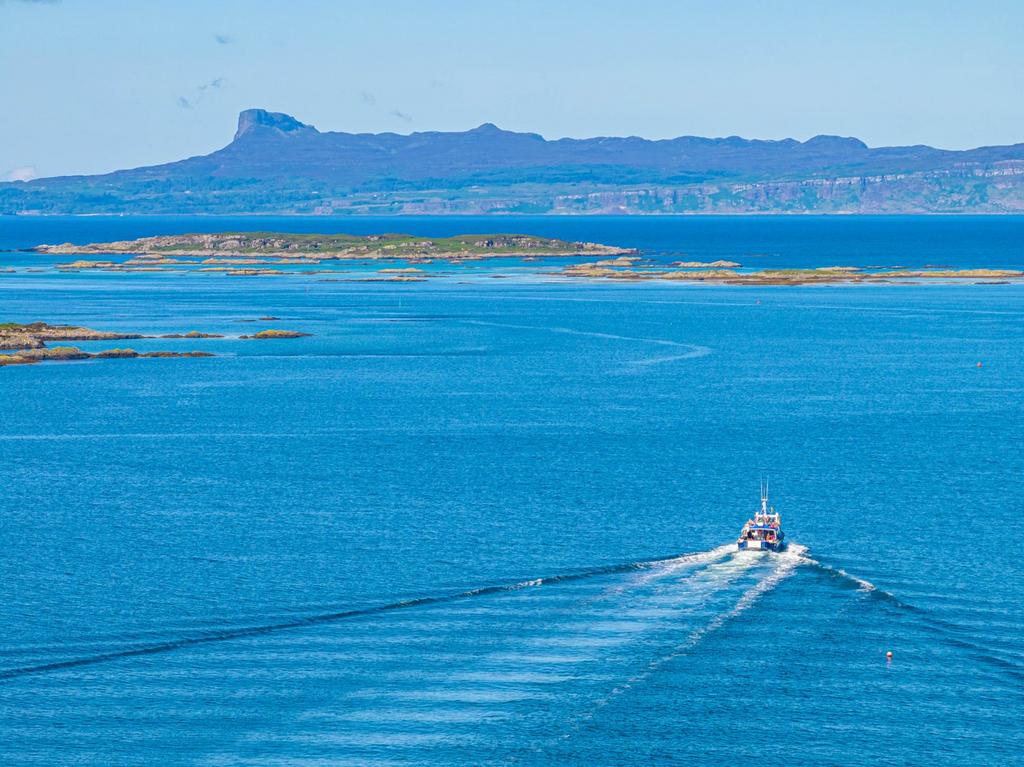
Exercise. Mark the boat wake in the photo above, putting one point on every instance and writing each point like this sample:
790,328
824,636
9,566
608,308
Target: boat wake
661,568
945,631
782,565
669,588
521,667
692,351
669,563
846,579
529,665
695,352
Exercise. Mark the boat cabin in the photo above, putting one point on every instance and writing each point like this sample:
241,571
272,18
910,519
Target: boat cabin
764,531
761,530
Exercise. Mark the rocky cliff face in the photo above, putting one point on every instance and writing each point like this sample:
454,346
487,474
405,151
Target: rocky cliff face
254,120
276,163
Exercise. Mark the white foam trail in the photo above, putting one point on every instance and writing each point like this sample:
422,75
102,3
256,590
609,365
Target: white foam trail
751,595
505,680
697,351
862,584
694,349
297,622
526,584
788,560
577,645
669,566
698,585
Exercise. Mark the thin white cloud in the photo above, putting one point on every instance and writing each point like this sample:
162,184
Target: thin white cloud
21,173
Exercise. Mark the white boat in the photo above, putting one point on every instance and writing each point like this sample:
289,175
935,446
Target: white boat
764,531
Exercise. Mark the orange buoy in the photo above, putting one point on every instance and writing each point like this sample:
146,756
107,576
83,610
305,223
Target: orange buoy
979,364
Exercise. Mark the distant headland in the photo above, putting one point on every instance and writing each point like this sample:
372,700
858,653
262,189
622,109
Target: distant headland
278,164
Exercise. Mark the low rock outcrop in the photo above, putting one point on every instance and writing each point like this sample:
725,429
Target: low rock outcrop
268,334
27,343
34,335
192,334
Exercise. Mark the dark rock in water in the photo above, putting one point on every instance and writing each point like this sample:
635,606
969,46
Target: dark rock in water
70,353
116,354
192,334
176,355
267,334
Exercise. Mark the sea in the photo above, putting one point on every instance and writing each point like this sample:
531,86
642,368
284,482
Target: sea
489,518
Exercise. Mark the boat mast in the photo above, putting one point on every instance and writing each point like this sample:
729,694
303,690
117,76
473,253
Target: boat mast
764,496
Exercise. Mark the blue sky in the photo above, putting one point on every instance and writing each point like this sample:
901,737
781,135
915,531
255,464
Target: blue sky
94,85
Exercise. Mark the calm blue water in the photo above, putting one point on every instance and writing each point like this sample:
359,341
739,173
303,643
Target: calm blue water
754,241
477,521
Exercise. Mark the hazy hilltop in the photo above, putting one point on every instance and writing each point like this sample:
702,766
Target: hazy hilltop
277,164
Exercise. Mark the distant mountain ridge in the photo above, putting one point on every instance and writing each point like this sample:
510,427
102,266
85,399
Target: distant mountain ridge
277,164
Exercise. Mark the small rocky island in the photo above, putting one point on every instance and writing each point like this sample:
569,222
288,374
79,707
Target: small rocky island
253,248
34,335
724,272
245,254
28,343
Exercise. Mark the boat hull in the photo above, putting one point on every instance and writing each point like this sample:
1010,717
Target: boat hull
760,546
